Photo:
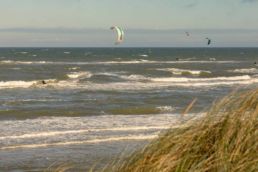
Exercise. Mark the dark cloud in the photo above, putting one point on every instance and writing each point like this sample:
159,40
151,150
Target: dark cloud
191,5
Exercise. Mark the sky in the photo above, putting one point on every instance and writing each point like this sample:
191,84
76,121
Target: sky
86,23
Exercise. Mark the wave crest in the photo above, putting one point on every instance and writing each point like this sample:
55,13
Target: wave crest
245,70
75,75
176,71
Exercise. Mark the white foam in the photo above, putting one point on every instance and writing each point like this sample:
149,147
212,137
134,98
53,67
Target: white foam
114,62
24,84
144,55
16,68
158,62
107,74
55,133
131,62
74,68
177,71
16,84
22,62
225,83
63,131
24,52
49,126
134,77
187,59
94,141
245,70
135,82
158,83
184,79
82,74
166,108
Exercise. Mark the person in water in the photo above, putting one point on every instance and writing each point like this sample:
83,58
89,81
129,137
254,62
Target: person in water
43,82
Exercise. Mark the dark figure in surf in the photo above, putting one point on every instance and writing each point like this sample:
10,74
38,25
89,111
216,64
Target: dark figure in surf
255,63
43,82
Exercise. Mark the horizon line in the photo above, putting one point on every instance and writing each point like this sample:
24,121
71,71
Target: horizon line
83,30
2,47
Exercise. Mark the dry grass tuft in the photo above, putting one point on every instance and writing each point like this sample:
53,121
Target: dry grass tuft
225,139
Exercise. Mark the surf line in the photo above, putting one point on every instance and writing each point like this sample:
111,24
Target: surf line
55,133
94,141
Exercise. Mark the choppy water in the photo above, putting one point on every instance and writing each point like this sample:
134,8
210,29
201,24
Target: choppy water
97,101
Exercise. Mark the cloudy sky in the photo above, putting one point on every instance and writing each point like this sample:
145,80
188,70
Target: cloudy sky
85,23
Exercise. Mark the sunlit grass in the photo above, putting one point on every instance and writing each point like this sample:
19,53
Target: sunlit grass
225,139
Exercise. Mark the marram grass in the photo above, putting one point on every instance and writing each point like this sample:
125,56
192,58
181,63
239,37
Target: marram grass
225,139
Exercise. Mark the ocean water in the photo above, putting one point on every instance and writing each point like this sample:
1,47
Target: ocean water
100,102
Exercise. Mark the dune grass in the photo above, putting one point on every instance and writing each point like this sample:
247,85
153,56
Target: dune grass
225,139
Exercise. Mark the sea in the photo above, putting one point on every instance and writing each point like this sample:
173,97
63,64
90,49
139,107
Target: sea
87,107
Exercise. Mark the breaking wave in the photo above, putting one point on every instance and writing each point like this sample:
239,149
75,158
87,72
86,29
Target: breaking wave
24,84
56,133
75,75
141,61
133,82
16,84
22,62
102,140
184,79
247,70
166,108
142,110
177,71
31,133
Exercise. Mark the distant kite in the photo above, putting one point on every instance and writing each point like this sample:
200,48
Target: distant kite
120,34
209,41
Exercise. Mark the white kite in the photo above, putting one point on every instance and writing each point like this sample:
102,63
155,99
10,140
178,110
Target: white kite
120,34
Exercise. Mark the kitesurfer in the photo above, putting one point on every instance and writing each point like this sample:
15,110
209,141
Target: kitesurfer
209,41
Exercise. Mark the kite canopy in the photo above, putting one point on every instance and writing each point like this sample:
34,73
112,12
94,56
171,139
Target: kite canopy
120,34
209,41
